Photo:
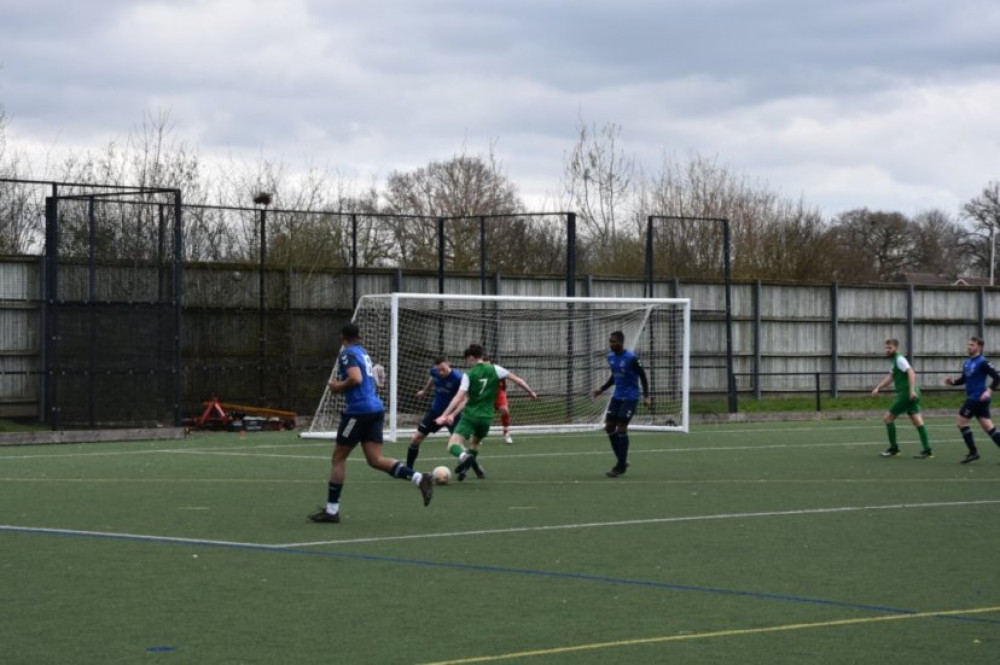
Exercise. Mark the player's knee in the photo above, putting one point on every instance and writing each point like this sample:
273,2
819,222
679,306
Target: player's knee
609,428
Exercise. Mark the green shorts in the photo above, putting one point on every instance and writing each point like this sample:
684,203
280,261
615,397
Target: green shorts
903,404
469,427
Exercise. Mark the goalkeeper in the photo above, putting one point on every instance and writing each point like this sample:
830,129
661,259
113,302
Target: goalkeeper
626,374
475,399
444,381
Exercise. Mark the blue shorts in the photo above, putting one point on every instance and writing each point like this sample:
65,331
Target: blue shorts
973,408
360,428
621,410
428,426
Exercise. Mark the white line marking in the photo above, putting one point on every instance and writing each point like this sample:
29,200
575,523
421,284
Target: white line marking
658,520
484,532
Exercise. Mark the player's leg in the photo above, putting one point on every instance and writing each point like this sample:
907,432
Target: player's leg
898,406
427,426
611,427
370,435
965,414
505,423
346,440
457,445
620,441
473,461
987,424
918,421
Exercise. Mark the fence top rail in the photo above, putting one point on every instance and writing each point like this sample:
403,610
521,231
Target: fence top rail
536,299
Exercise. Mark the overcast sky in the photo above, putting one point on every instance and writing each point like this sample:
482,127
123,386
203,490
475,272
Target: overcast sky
885,104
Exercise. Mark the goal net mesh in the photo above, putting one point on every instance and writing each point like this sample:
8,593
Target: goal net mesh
558,345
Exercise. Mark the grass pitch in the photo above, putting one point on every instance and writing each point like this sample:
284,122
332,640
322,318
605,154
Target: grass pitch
766,543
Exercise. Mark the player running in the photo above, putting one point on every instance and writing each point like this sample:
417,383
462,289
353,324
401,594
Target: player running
360,422
475,399
977,396
445,381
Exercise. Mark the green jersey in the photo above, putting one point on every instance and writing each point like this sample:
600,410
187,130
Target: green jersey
900,375
481,383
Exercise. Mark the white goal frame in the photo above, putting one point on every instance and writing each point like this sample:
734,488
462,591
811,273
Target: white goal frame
391,395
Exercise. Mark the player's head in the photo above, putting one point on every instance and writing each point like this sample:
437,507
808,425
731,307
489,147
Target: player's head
976,345
350,333
442,365
616,341
474,353
891,346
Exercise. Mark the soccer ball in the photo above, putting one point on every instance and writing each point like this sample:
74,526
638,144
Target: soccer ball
441,475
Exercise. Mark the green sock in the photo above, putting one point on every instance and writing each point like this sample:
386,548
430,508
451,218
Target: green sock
924,439
455,449
891,429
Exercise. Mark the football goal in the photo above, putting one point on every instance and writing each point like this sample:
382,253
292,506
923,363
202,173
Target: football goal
558,345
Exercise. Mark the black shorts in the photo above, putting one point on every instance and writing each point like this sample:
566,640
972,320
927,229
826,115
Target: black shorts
621,410
973,408
428,426
360,428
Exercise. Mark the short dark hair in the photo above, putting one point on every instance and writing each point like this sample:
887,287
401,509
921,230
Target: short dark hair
474,350
619,336
892,341
351,331
439,360
977,340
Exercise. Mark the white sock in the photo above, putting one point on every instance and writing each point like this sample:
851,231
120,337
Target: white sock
417,477
332,508
464,456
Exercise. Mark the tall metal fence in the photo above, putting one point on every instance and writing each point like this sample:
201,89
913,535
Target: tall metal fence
783,334
142,307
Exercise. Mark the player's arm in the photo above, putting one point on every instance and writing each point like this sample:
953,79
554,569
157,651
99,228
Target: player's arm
354,378
886,380
993,374
912,376
427,386
522,383
956,382
507,374
457,402
607,384
640,371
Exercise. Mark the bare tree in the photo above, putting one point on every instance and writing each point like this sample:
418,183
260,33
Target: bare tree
984,213
20,212
465,186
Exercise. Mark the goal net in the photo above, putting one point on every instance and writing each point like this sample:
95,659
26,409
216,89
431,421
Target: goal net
558,345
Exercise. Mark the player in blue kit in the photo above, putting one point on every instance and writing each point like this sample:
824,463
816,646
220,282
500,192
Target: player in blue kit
626,375
977,396
360,422
445,381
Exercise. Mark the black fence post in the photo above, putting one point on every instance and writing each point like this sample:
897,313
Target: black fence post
819,405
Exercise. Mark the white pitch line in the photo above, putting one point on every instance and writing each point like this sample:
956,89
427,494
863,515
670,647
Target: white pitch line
554,527
134,536
656,520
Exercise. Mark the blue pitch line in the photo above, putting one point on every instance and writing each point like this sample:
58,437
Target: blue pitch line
482,568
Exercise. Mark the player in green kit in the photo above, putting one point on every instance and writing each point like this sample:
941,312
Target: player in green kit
474,400
907,400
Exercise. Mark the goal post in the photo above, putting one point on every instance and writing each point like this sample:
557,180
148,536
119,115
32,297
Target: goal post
559,345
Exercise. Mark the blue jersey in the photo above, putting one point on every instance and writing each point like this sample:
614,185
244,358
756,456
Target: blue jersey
444,389
363,398
974,373
625,371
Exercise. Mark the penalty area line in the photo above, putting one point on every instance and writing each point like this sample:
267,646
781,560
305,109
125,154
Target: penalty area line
596,646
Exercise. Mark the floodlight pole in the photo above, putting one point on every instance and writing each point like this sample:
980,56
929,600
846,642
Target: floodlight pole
993,249
263,200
